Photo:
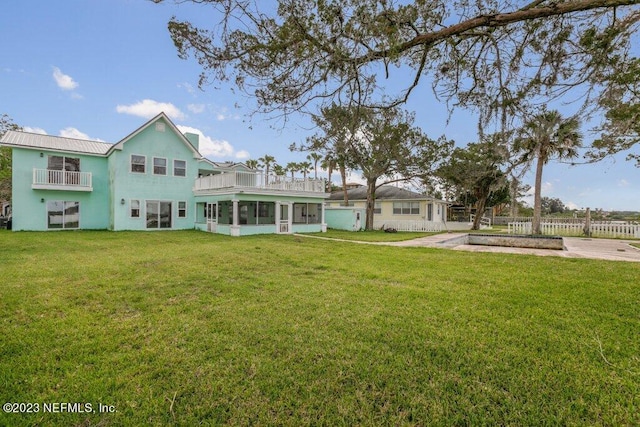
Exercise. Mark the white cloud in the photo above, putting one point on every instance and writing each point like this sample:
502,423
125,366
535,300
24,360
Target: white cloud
64,81
34,130
215,148
222,114
571,206
71,132
196,108
187,86
148,108
242,155
623,183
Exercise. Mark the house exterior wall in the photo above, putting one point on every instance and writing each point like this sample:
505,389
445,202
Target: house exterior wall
386,210
148,186
30,205
345,218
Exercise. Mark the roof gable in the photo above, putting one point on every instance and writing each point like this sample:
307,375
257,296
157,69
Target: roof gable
172,127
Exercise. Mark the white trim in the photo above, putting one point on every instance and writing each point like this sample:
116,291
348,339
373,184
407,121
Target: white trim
166,166
139,209
131,163
174,168
178,209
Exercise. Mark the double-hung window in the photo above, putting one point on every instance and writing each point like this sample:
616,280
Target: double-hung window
135,208
138,163
179,168
182,209
159,166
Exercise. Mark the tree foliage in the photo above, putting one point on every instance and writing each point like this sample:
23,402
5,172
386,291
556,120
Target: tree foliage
6,124
382,144
475,175
492,55
544,137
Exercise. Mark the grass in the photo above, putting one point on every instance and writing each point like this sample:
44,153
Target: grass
371,235
189,328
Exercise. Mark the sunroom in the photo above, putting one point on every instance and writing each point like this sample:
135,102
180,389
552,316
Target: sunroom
245,214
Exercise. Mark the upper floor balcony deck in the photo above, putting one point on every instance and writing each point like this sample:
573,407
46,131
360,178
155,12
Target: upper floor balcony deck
47,179
258,181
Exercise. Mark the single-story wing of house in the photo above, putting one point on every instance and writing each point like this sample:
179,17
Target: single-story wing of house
396,208
153,179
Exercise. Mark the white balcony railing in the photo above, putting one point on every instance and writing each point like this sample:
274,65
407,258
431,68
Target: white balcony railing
258,180
56,179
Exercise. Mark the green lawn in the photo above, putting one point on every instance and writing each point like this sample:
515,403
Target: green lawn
371,235
190,328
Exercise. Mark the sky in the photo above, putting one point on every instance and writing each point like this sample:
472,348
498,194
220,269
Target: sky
99,69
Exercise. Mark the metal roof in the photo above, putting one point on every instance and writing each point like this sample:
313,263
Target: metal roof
56,143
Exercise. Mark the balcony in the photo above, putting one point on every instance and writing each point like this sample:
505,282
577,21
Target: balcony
46,179
258,181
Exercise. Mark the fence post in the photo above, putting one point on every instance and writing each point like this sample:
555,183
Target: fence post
587,223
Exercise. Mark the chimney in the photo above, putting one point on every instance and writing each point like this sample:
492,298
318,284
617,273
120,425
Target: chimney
194,139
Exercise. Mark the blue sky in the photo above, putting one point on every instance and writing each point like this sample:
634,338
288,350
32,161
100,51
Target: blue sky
99,69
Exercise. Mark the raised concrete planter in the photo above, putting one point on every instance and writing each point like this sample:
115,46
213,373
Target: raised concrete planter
511,241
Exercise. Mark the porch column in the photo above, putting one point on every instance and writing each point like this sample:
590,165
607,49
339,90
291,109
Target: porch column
322,221
235,220
277,216
235,227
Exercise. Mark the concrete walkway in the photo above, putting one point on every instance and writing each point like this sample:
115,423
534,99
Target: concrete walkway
575,247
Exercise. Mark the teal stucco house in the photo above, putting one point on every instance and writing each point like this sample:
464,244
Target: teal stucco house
153,179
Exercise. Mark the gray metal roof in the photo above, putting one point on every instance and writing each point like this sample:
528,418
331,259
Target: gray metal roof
56,143
385,192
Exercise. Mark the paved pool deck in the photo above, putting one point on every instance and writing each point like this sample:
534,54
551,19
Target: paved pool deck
575,247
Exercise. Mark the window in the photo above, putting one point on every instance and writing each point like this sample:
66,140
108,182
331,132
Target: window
138,163
59,163
159,166
135,208
158,214
63,215
182,209
377,208
406,208
307,213
429,211
179,168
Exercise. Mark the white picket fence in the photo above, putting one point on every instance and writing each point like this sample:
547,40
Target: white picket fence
598,229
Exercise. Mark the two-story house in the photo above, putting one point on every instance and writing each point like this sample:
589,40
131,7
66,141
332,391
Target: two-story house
153,179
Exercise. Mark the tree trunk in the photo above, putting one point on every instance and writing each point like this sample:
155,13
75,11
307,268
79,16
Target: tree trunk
329,172
537,199
371,203
343,176
514,198
480,205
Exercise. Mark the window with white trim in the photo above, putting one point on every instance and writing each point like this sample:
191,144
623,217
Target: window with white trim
182,209
63,215
134,208
159,166
406,208
179,168
138,163
377,208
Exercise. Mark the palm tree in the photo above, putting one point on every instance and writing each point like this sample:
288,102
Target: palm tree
544,137
267,161
329,163
315,158
252,164
304,168
293,168
279,170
